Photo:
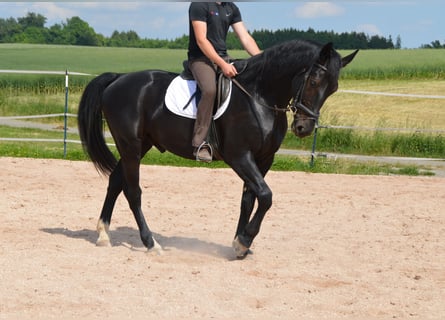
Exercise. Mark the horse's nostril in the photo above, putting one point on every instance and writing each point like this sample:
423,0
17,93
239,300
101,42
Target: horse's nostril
298,128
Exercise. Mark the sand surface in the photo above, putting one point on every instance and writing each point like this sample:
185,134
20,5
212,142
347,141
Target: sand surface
331,247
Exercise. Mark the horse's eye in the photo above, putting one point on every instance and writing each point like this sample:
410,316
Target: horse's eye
313,83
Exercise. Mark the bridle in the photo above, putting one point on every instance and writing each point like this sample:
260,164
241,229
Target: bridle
296,104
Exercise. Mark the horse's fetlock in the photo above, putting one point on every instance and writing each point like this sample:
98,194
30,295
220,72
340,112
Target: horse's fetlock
148,242
245,240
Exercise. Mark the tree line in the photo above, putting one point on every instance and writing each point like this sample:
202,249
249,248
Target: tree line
75,31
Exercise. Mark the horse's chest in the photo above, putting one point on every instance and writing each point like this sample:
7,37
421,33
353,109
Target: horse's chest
275,131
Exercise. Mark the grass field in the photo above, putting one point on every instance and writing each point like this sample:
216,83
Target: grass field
369,64
92,60
397,64
417,71
387,111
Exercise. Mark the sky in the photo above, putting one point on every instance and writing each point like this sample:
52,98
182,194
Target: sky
416,22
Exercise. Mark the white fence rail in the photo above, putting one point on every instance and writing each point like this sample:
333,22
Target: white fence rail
382,129
40,116
45,72
390,94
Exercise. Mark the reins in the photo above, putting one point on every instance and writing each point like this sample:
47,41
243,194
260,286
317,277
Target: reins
274,108
297,104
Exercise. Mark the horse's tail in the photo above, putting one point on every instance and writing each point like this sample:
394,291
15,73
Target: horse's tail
91,126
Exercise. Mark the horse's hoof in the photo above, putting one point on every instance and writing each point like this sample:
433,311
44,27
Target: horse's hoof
103,239
241,250
157,249
103,243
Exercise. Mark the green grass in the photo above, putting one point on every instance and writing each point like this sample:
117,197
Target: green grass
154,157
378,143
92,60
55,150
396,64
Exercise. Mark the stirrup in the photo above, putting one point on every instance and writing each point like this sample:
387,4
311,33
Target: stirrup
204,145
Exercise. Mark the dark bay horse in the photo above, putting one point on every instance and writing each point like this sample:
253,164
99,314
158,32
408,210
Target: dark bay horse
296,76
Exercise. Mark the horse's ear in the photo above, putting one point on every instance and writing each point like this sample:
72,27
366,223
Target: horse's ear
325,53
345,61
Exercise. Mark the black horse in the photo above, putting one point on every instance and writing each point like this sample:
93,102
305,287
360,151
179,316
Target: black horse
296,76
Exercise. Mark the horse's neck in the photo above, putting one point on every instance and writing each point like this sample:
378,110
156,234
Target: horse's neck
274,88
276,92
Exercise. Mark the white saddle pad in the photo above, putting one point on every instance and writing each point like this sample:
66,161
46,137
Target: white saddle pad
179,93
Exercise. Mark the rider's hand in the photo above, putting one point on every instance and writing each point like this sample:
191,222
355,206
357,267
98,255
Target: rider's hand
229,70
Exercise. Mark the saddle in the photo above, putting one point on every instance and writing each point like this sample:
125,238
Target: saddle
223,90
222,86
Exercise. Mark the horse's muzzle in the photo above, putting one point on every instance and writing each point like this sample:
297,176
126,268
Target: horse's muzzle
302,127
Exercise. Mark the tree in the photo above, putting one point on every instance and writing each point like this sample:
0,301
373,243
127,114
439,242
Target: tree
78,32
32,35
8,28
32,20
398,42
377,42
56,35
436,44
433,45
179,43
125,39
233,42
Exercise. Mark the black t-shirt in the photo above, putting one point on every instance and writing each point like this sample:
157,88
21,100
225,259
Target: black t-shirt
219,17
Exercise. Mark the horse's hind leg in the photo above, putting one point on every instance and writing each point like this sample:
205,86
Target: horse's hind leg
115,186
130,168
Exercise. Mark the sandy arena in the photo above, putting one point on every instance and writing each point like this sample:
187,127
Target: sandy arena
331,247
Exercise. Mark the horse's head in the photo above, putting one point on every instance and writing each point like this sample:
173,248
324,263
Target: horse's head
318,83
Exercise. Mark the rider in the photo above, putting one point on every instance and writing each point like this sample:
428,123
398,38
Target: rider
209,23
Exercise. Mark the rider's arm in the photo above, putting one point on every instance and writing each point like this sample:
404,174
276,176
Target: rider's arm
246,39
200,29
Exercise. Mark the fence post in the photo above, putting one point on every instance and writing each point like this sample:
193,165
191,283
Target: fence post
314,143
65,125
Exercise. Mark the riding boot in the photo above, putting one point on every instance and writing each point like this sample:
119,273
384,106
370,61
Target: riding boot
203,152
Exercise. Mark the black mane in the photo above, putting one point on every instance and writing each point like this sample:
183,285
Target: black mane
284,58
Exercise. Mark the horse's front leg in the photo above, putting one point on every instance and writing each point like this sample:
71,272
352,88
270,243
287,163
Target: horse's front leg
245,237
247,204
254,188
